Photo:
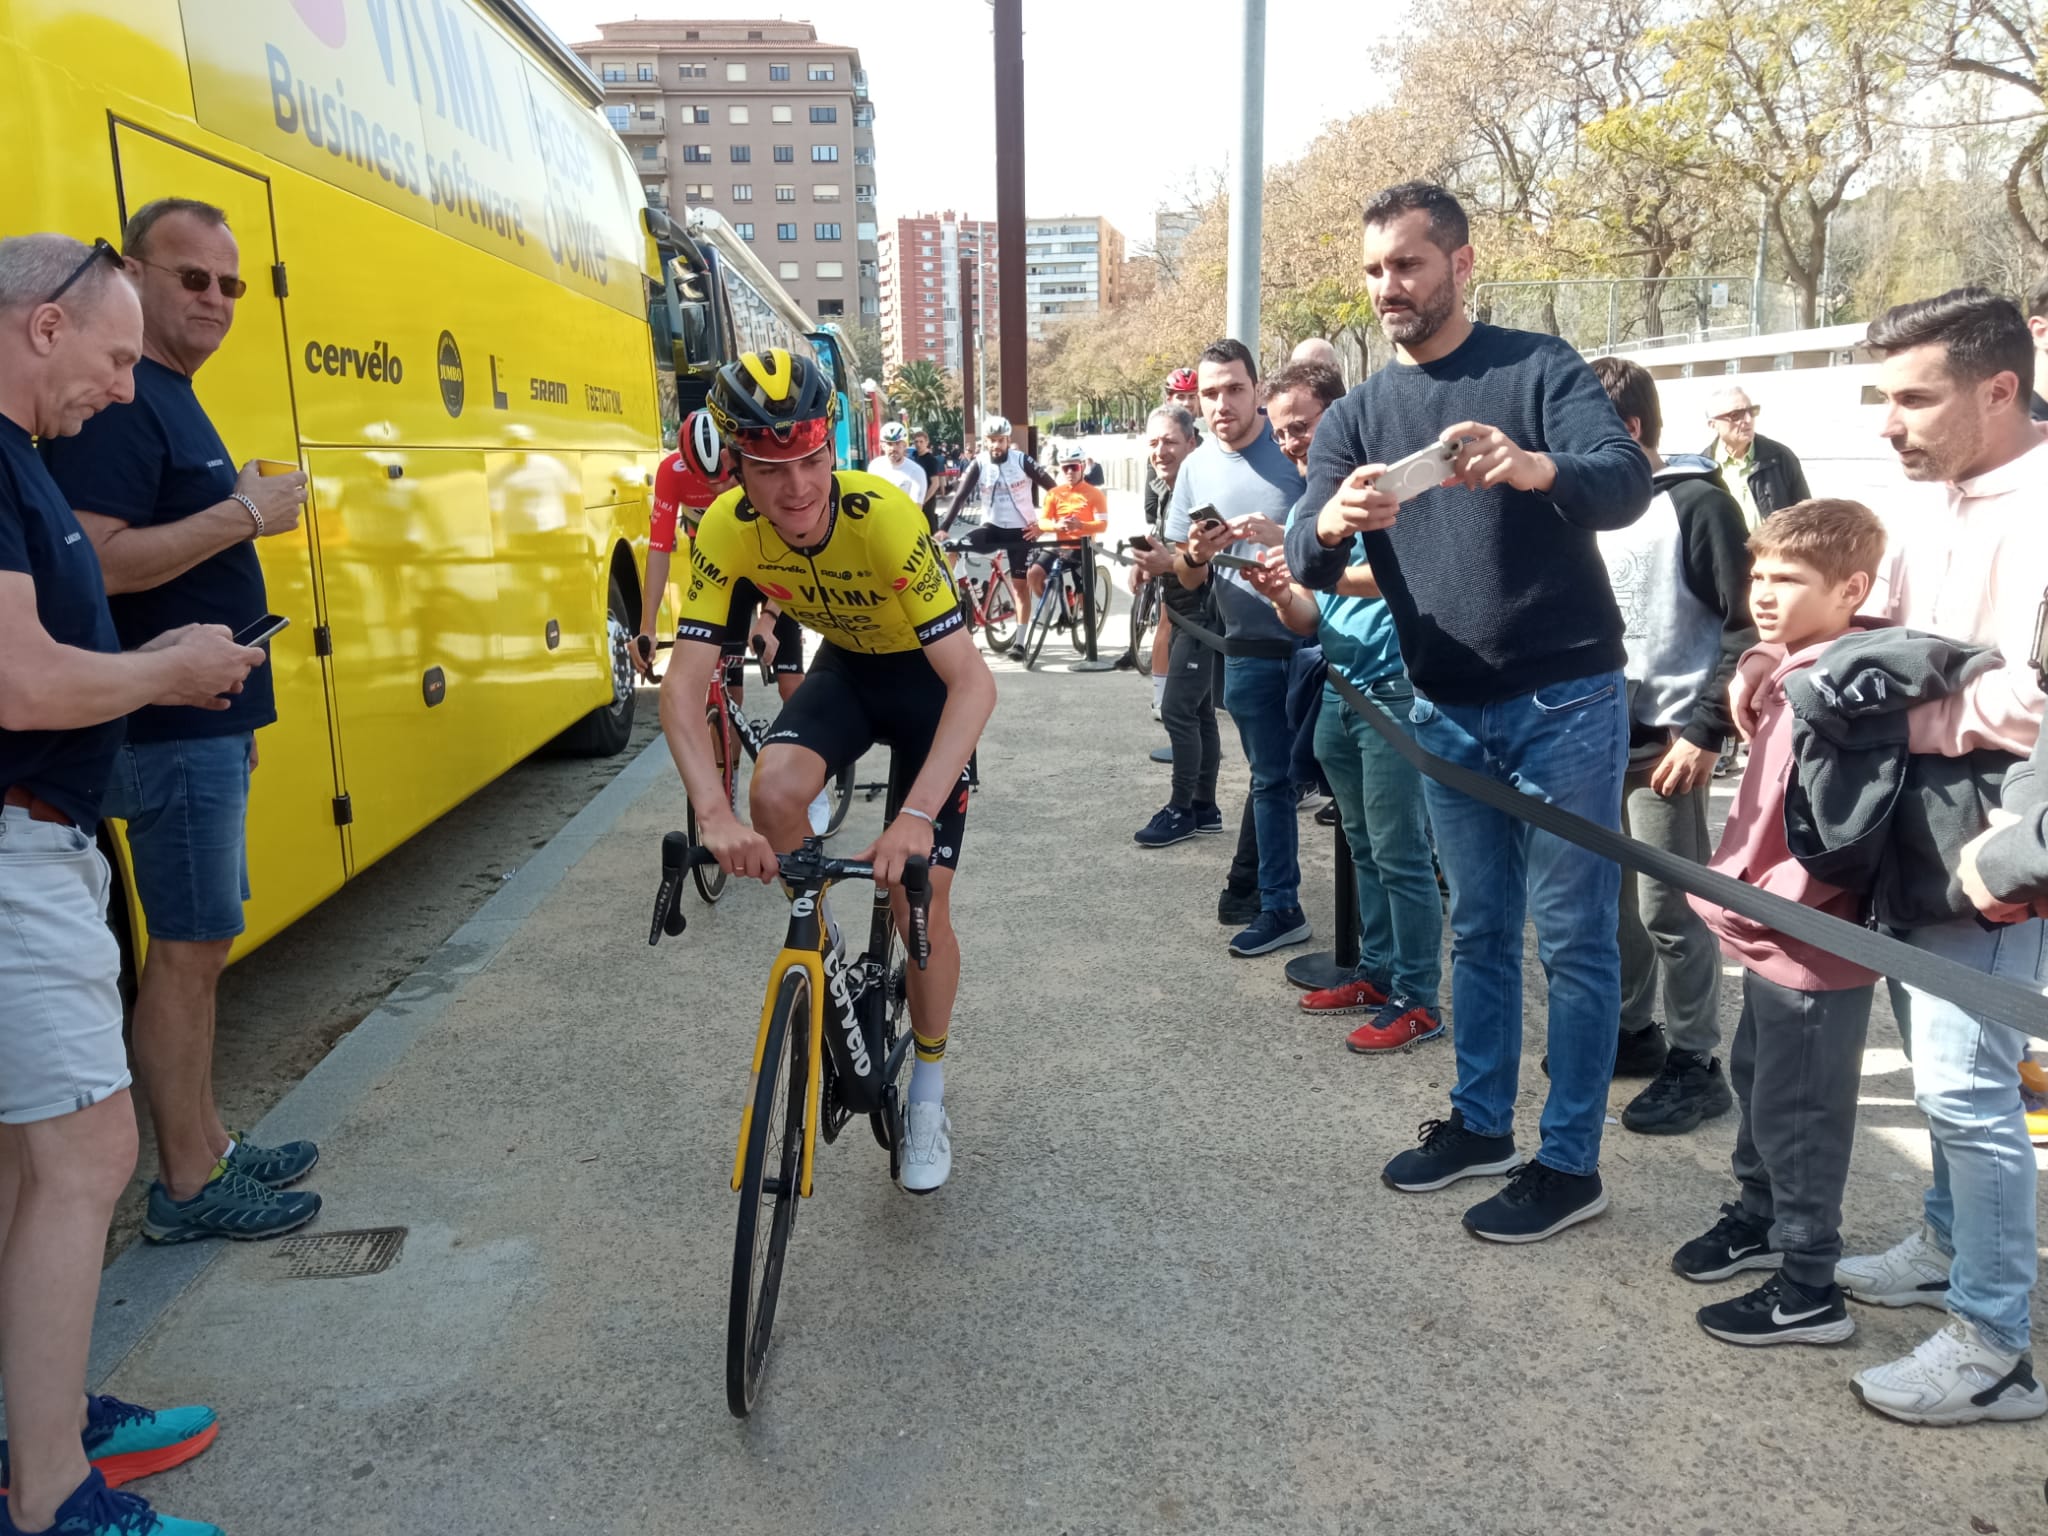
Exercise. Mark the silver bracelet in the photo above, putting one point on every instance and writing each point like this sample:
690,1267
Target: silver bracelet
250,507
920,815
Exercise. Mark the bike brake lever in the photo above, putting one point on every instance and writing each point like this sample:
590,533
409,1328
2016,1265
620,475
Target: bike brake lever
917,894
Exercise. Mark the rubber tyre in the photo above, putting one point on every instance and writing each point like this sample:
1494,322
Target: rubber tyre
999,617
710,878
1144,618
842,798
606,730
1043,618
769,1177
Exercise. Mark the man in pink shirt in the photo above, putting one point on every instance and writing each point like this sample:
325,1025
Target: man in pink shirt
1957,376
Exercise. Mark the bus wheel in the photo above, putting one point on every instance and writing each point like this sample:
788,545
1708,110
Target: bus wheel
605,731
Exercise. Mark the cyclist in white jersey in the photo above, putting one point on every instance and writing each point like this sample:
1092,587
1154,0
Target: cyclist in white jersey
1005,480
895,464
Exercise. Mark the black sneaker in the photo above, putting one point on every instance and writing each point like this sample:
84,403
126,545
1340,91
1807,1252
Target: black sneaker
1170,825
1270,931
1691,1088
1327,816
1235,907
1736,1242
1781,1311
1538,1202
1208,818
1447,1153
1637,1053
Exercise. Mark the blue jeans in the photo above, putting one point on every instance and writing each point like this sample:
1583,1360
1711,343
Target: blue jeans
186,804
1568,744
1255,693
1379,802
1966,1081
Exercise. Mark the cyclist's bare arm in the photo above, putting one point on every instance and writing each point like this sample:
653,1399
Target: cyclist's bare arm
969,479
970,700
650,606
740,849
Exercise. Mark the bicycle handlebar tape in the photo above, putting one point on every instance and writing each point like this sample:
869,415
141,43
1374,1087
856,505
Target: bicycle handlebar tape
917,893
668,906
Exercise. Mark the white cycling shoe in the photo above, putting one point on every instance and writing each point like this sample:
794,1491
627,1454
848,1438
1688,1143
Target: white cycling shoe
929,1158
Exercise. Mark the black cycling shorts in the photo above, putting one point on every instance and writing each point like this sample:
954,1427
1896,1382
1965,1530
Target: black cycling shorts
991,538
849,701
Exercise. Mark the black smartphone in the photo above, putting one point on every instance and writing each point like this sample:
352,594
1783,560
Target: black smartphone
1141,541
1205,514
261,630
1232,562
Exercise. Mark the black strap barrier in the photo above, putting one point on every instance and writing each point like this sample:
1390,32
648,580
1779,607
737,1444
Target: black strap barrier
1988,997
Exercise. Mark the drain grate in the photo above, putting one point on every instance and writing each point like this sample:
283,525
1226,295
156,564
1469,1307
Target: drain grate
335,1255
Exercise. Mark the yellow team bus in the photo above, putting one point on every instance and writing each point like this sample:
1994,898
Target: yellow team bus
447,325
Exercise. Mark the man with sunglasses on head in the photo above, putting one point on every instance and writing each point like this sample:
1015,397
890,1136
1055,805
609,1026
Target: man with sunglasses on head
175,526
1763,474
848,555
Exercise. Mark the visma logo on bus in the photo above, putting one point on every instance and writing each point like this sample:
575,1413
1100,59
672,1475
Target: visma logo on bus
377,362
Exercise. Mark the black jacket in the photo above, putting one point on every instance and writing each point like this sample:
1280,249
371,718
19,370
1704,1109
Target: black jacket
1861,811
1777,482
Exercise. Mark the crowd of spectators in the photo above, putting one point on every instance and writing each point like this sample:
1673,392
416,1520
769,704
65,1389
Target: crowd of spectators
1557,604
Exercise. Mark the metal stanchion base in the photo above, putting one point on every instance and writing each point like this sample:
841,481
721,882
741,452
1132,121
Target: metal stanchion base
1100,664
1312,973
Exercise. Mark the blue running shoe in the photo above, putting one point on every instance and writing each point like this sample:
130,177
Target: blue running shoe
94,1509
124,1441
230,1205
1207,817
1170,825
278,1167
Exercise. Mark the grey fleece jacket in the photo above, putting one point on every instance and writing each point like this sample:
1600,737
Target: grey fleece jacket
2014,862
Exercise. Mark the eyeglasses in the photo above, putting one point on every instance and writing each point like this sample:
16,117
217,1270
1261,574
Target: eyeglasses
198,279
101,247
1747,413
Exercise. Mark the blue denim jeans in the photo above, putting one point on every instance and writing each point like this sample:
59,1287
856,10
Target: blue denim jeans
1379,802
1255,693
1966,1081
1567,744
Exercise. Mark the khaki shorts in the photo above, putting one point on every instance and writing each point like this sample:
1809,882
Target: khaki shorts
60,968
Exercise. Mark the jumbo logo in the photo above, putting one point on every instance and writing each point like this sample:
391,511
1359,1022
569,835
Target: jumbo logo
448,367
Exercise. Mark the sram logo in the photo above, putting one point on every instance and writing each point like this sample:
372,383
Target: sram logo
842,1004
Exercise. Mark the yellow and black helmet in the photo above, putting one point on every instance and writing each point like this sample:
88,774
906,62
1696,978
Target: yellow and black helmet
773,405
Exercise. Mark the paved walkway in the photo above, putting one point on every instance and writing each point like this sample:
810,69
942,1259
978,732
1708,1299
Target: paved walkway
1164,1291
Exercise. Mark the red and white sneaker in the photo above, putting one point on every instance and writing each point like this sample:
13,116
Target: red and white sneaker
1347,997
1400,1023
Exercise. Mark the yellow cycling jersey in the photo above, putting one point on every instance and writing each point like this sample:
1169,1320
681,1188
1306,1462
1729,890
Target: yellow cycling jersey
877,584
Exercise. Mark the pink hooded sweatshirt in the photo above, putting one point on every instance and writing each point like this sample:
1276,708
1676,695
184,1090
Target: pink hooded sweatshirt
1753,850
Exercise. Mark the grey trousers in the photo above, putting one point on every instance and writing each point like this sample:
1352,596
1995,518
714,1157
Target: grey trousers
1188,711
1797,1065
1660,932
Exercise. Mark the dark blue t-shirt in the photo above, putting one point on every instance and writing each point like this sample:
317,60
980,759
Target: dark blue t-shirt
42,540
151,462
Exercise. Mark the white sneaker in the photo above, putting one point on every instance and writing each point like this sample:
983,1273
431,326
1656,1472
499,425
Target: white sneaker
1955,1377
1913,1273
821,813
929,1158
1156,715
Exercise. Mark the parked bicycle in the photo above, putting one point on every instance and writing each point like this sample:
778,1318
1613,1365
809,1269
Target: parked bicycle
1065,603
832,1042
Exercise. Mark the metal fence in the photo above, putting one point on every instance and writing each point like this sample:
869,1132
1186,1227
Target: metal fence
1602,314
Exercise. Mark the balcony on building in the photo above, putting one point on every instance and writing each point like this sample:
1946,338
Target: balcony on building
651,165
647,122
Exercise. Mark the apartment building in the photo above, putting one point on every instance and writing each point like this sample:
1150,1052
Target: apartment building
765,123
1072,266
921,301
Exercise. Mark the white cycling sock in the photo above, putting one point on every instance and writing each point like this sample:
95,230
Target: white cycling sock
928,1072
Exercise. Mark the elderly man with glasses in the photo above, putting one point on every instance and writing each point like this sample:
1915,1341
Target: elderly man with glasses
1762,474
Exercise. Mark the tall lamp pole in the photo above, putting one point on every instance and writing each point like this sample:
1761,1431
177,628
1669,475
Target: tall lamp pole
1010,318
1241,304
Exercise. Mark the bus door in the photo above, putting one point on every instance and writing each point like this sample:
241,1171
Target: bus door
298,849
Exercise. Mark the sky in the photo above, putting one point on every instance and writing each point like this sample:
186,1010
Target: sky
1127,105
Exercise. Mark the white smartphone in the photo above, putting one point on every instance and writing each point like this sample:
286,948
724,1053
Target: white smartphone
1423,470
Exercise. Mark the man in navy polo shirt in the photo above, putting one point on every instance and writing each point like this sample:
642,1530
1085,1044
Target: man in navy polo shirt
175,526
70,332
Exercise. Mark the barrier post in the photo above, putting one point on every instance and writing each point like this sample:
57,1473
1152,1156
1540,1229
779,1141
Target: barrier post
1330,968
1089,661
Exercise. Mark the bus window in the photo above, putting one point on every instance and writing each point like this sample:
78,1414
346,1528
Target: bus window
696,329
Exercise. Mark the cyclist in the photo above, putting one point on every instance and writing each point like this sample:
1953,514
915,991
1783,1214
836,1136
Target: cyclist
849,556
685,483
1181,391
1011,517
1073,509
896,465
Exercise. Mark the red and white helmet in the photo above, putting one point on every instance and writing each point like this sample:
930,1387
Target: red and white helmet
1181,382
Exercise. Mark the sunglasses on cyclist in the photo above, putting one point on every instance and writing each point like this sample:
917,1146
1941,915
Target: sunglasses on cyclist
102,249
798,440
198,279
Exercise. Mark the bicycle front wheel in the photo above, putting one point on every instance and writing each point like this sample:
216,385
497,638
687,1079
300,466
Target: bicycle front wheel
769,1178
1044,615
999,616
710,878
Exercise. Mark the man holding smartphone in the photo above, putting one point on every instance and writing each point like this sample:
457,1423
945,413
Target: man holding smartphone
175,527
1513,641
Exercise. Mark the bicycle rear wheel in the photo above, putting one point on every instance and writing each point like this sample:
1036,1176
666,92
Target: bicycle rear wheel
1044,615
769,1178
1144,617
710,878
999,616
841,790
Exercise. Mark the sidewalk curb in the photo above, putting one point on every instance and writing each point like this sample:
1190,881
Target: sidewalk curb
144,1280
